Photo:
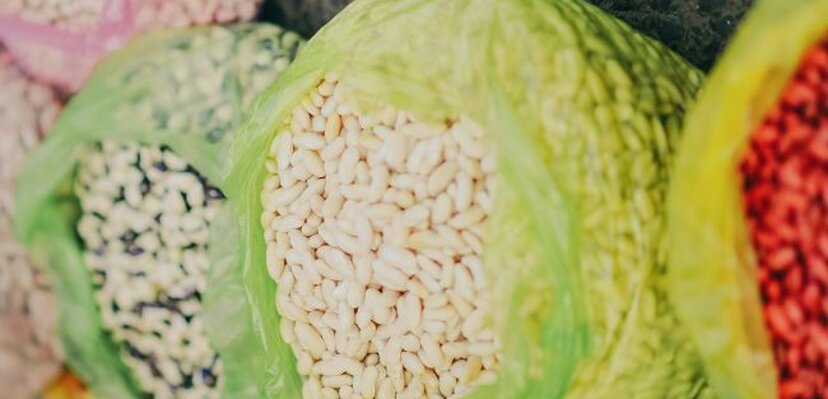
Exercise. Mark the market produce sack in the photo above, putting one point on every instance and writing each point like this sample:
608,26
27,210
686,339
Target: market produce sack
30,350
60,41
118,200
372,162
747,209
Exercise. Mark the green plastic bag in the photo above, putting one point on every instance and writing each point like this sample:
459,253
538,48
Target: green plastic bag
151,92
583,113
713,267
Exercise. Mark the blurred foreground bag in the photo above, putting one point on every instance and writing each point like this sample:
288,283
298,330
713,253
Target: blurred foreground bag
183,90
60,43
754,113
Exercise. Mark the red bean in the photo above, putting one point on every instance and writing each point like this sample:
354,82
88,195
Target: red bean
794,312
820,338
811,377
764,240
778,321
793,281
793,359
819,269
781,258
773,291
811,297
794,389
819,149
800,93
763,135
811,352
784,230
799,132
790,174
822,242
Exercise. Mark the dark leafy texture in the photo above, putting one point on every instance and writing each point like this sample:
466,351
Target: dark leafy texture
155,91
302,16
696,29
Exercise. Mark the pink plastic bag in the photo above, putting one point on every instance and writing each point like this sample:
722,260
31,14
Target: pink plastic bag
30,351
65,58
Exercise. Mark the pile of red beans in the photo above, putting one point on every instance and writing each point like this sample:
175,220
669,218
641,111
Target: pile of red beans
785,185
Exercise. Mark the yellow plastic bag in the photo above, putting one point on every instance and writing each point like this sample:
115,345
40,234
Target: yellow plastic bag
712,265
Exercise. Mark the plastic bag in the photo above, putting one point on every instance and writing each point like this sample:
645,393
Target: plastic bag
713,268
61,56
546,80
30,351
131,98
64,52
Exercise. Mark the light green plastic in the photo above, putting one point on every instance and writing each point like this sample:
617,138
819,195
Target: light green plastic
111,107
559,87
713,267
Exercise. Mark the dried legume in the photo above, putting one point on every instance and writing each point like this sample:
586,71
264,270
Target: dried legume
374,244
785,197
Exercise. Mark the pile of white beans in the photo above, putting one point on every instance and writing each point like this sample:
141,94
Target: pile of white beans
30,352
145,226
374,231
146,212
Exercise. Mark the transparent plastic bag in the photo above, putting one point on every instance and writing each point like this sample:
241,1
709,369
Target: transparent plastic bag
583,113
61,57
132,97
